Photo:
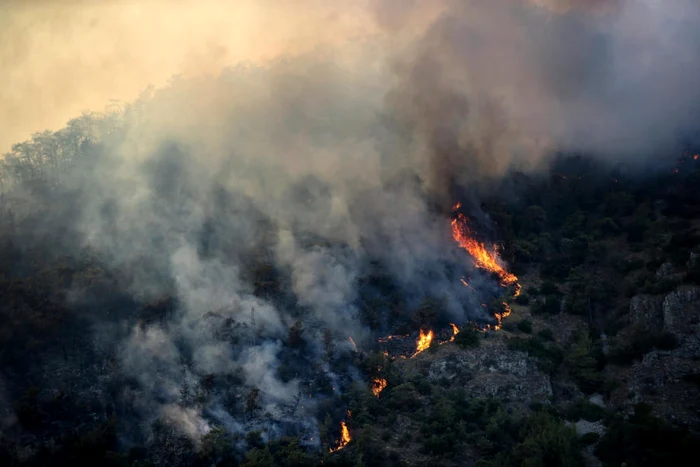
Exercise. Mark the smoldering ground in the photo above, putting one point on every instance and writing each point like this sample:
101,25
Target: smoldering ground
305,189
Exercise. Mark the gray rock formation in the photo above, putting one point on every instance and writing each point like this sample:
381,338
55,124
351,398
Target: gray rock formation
646,312
493,370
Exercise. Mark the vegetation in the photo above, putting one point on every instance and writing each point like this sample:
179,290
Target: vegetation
594,237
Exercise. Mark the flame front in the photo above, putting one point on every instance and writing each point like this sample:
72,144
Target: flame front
424,341
483,258
378,385
345,438
499,316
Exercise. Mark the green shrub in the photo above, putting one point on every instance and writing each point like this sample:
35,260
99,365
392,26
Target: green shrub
549,356
549,288
525,326
544,441
584,410
644,440
546,334
522,299
468,338
583,366
641,343
404,396
550,306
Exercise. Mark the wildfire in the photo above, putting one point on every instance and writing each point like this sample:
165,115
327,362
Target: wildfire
382,340
345,438
424,341
378,385
353,343
455,331
499,316
483,258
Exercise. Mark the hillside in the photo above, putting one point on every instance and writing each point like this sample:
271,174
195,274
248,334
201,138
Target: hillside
596,364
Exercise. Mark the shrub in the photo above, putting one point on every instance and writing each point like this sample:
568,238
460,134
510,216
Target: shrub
584,410
546,334
549,356
545,440
644,440
583,366
525,326
550,306
522,299
641,343
468,338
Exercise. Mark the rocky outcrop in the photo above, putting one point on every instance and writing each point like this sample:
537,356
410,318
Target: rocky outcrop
493,370
681,311
669,272
646,312
668,379
584,427
665,380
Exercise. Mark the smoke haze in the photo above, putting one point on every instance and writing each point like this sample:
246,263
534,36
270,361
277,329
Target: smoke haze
322,158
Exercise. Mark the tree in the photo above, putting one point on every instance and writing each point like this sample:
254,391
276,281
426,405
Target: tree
328,344
294,338
251,404
583,367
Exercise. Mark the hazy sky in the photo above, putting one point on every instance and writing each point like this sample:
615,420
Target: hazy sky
61,57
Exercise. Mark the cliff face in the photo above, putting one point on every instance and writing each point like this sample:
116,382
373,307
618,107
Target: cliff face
668,379
493,370
646,312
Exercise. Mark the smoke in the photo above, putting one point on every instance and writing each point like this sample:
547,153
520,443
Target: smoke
492,84
275,191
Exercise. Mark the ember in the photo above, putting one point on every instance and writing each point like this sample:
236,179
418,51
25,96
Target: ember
378,385
382,340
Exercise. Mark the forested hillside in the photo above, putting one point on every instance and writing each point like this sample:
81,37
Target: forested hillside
597,363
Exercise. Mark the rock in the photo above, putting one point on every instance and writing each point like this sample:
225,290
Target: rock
583,427
669,271
493,370
597,399
646,312
681,311
661,379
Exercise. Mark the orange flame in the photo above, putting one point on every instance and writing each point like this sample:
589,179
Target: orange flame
696,156
499,316
455,331
382,340
378,385
424,341
483,258
353,343
345,438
